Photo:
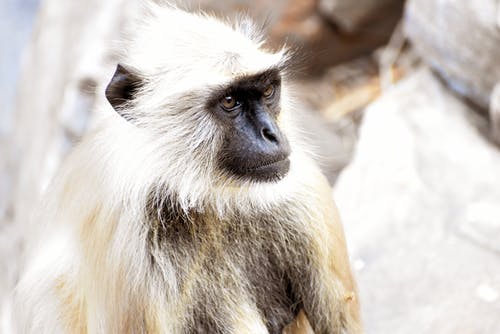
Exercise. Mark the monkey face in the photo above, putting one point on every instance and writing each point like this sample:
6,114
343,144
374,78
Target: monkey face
245,111
254,147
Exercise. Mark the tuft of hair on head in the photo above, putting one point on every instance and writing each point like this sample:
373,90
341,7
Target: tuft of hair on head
250,28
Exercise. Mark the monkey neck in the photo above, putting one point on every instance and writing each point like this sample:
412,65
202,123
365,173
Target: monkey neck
167,221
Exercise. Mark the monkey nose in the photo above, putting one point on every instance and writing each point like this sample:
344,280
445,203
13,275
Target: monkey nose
269,135
268,130
272,143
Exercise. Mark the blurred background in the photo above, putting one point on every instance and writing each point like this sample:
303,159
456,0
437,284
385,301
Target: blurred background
401,100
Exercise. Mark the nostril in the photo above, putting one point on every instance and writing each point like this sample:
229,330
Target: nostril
269,135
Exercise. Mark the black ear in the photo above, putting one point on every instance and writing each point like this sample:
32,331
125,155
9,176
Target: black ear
122,88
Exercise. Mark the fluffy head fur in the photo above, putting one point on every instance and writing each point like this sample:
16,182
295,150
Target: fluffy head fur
181,59
146,234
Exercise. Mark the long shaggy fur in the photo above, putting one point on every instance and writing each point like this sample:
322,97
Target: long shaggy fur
144,234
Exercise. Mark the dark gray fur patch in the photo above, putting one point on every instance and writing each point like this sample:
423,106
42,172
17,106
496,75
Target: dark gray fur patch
259,246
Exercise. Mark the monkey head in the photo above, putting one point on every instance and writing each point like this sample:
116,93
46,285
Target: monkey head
213,106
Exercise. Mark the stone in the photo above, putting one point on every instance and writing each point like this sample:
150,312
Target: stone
461,41
495,113
419,203
321,43
351,15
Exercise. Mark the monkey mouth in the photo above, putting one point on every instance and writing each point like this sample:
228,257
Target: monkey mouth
273,170
260,169
270,164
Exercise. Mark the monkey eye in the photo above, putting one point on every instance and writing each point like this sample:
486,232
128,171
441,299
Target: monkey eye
269,91
229,103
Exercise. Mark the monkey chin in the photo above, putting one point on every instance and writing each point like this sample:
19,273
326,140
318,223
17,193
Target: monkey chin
269,172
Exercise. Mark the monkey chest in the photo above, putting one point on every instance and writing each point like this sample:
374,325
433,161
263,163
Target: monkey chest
232,276
233,282
233,292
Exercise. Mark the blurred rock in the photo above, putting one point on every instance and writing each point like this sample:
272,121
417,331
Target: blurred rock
461,41
495,113
321,43
16,23
419,204
352,15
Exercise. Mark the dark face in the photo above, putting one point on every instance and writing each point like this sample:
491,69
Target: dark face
254,147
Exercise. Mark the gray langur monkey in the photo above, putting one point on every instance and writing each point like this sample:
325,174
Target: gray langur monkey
192,207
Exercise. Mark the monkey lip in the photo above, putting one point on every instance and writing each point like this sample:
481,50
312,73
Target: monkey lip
270,171
272,164
261,170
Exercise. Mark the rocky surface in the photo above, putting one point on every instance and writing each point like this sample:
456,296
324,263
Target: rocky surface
16,20
420,207
321,42
351,16
467,55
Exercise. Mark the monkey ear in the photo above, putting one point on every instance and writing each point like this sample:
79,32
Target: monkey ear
122,89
